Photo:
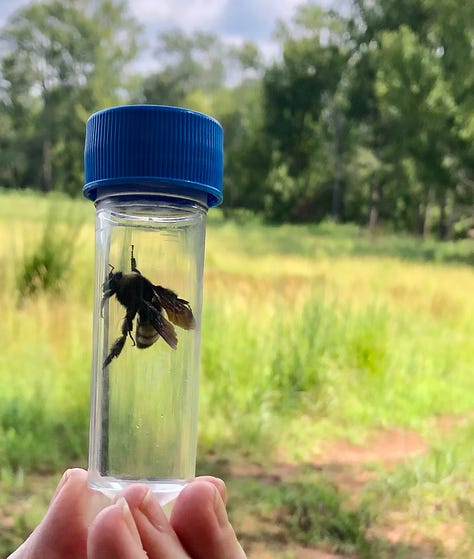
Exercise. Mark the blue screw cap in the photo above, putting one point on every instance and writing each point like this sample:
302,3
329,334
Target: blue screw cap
153,147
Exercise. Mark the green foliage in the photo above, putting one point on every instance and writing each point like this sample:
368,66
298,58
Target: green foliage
439,481
312,514
366,117
281,191
61,61
411,59
309,333
47,267
194,63
330,239
28,431
315,327
43,270
306,509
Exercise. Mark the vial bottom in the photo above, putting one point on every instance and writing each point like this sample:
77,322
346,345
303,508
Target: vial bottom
165,491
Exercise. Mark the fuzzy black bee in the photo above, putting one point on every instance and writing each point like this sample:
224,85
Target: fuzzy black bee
147,302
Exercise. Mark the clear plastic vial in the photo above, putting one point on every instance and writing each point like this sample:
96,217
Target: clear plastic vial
152,171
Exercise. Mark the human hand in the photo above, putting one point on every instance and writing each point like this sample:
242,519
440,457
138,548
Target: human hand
135,526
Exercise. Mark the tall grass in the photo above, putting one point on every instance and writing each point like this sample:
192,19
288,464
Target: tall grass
45,331
289,360
303,338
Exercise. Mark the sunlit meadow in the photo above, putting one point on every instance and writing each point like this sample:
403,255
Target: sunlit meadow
310,333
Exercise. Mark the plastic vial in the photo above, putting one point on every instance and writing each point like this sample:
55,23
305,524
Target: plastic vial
152,172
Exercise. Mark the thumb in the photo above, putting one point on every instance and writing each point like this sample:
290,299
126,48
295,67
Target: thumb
63,531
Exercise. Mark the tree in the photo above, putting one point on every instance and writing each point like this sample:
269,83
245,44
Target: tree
418,113
413,77
62,60
303,107
188,63
203,73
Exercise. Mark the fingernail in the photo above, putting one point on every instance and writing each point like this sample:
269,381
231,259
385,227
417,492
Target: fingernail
241,551
222,489
219,509
148,500
150,507
61,484
223,520
127,516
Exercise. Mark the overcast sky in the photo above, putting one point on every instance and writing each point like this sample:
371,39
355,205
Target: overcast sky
233,20
248,18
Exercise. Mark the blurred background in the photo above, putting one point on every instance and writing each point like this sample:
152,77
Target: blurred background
337,392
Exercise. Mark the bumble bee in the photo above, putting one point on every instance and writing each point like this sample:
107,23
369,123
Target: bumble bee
147,302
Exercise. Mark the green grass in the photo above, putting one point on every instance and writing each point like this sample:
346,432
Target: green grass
306,342
308,510
347,352
310,333
440,481
329,239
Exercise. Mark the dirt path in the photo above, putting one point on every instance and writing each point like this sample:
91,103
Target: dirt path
350,468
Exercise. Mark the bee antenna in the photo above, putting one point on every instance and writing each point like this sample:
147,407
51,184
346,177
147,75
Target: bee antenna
112,268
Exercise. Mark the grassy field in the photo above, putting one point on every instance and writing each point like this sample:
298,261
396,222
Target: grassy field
317,341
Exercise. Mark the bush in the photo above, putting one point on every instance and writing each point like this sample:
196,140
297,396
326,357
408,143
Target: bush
46,268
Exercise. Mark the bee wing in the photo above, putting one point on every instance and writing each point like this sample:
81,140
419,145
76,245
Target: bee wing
178,310
151,318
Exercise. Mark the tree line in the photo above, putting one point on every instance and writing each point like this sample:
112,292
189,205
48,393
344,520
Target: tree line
367,116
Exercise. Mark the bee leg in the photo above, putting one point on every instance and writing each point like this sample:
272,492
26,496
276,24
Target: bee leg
102,305
133,262
127,327
115,350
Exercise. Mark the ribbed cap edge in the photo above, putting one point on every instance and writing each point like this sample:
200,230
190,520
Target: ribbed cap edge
153,145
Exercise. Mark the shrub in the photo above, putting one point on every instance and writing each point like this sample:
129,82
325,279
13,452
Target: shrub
46,268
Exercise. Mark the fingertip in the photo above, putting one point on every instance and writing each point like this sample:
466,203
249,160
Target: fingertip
63,531
199,507
201,491
72,476
200,520
195,501
77,475
218,483
114,534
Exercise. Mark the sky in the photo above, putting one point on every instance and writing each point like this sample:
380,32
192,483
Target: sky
233,20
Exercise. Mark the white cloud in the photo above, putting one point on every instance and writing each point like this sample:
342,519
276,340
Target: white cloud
9,7
233,20
186,14
248,19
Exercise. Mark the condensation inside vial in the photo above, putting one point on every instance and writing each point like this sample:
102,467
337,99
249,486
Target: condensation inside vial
144,402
